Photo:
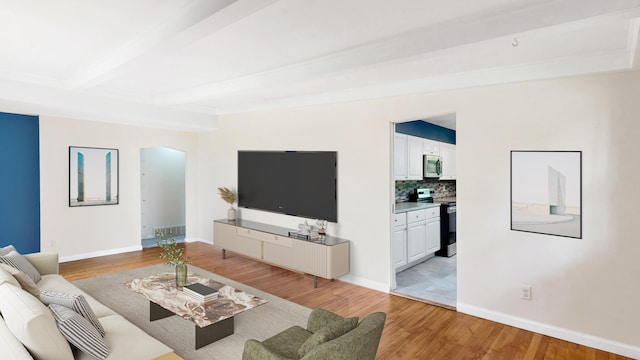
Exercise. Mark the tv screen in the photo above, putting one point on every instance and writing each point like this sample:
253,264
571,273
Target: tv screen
300,183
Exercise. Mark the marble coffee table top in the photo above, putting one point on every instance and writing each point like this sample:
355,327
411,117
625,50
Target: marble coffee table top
161,289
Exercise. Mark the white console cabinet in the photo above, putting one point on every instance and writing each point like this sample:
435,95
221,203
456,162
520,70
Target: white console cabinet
327,259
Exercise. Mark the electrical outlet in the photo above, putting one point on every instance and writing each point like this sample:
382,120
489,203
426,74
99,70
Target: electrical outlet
525,292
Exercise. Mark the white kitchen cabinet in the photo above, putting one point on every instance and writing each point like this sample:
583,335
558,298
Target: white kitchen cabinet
416,235
400,240
407,157
431,147
414,156
400,153
433,232
448,158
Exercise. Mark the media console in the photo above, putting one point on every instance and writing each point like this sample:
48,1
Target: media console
327,258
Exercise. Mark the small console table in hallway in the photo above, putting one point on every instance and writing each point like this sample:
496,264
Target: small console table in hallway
327,258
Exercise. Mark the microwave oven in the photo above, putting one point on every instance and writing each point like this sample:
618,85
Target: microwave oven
432,166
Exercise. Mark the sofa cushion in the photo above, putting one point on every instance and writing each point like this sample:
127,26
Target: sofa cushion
127,341
11,347
75,302
328,333
288,342
16,260
23,279
79,332
6,277
33,324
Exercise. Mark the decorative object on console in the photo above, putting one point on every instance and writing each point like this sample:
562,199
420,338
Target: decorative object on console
174,255
230,197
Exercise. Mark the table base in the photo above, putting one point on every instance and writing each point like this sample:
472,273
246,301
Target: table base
204,335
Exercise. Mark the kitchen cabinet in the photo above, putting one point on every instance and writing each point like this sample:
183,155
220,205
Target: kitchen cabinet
448,158
400,240
431,147
407,157
433,232
416,236
400,151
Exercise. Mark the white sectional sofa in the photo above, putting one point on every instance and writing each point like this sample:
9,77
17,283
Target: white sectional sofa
28,328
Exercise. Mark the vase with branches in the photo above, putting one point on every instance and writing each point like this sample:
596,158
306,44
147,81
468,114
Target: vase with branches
174,256
229,197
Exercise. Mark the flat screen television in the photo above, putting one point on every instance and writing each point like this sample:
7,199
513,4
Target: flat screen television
299,183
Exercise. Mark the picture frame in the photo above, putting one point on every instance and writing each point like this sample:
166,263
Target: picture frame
546,192
93,176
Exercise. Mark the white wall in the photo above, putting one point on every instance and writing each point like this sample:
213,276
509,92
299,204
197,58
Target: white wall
361,138
584,290
162,180
96,230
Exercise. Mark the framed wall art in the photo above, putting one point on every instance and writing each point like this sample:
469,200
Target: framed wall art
546,192
93,176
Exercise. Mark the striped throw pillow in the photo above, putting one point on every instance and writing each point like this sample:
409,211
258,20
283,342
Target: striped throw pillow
16,260
79,332
75,302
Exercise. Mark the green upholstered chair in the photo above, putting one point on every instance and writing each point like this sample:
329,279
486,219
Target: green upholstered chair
327,337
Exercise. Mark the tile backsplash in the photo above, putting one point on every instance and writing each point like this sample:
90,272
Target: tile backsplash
439,188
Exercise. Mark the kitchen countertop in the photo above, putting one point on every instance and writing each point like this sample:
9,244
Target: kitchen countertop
410,206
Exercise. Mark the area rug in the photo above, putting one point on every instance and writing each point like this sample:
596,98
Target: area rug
179,334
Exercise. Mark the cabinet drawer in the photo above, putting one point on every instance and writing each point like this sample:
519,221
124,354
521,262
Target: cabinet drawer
416,215
400,219
267,237
433,212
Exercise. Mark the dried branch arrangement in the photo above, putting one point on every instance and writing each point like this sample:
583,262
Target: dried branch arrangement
227,195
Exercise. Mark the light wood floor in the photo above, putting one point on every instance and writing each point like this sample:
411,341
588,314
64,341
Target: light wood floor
414,330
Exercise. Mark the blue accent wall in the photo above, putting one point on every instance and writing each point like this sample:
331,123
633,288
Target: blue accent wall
20,182
427,130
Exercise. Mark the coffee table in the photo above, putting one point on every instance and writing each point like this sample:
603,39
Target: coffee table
213,320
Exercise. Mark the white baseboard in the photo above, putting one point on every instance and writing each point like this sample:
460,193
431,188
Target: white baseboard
199,240
374,285
100,253
553,331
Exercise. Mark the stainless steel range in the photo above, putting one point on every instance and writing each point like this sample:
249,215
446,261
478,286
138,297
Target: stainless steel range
447,227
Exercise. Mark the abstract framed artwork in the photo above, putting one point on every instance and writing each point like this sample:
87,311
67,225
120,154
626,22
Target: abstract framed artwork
546,192
93,176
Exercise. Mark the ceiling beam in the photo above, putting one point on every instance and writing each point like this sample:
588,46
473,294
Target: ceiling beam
200,19
19,97
548,16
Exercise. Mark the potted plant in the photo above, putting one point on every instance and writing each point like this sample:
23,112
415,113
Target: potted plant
174,255
230,197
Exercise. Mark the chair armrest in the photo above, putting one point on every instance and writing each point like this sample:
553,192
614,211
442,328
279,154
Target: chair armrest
320,318
255,350
44,262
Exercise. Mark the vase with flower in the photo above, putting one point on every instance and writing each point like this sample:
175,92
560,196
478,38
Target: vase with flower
229,197
174,255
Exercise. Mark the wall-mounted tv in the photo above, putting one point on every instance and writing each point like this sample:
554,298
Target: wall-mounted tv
300,183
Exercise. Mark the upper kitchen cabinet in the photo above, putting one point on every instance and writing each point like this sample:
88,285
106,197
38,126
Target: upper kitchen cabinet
407,157
431,147
448,158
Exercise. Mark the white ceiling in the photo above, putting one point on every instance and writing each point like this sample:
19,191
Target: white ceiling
180,63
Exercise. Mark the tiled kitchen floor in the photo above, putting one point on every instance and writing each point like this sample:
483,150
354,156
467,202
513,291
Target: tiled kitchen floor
433,280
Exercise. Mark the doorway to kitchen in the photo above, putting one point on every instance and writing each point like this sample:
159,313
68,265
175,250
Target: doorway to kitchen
162,190
424,241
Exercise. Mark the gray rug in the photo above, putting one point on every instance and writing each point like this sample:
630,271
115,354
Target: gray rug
179,334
